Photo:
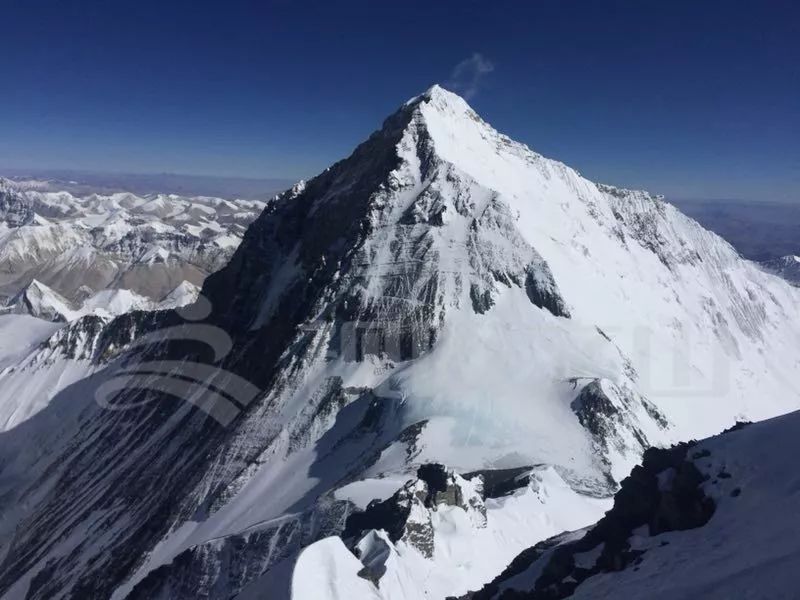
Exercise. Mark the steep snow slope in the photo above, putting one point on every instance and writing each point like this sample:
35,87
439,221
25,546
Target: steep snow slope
82,245
39,359
19,334
443,295
708,520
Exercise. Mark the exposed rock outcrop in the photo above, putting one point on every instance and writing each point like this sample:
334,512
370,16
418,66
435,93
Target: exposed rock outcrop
663,494
406,515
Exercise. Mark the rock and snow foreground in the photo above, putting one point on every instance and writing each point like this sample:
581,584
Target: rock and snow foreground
440,534
443,296
714,519
711,519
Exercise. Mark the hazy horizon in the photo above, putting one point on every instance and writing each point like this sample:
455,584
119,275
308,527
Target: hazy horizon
86,181
91,177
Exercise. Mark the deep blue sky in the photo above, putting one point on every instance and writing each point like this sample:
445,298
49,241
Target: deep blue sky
689,98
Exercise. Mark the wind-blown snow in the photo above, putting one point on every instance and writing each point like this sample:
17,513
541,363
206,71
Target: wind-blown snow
40,301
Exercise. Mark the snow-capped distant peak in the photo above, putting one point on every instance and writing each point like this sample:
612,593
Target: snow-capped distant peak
184,294
109,303
788,260
40,301
787,267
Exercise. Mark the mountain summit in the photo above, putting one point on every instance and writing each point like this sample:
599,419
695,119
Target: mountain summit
462,348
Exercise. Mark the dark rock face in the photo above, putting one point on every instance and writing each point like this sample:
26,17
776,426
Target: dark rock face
608,416
391,515
79,340
16,209
482,301
440,488
541,289
224,569
435,485
316,231
595,411
672,503
500,255
663,494
502,482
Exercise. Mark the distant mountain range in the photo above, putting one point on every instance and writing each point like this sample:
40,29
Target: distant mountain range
77,246
83,183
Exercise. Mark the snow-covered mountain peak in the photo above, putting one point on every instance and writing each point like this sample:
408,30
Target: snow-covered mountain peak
185,293
459,133
38,300
446,237
449,235
443,295
787,267
441,99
